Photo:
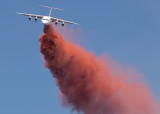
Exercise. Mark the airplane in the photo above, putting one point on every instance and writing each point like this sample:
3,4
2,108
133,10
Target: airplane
46,20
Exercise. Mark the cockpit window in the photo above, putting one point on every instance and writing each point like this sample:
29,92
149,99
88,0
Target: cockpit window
46,19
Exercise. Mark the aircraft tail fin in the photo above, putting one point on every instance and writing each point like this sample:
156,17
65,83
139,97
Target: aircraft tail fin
51,9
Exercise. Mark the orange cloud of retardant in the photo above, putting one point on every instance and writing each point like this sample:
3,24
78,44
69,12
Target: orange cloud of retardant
89,84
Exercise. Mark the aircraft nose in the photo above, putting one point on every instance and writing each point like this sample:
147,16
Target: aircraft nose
45,22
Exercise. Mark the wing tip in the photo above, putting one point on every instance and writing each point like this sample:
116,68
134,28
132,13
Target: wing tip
77,23
18,13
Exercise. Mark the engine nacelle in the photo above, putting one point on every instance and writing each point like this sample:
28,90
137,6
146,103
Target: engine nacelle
36,19
29,18
56,22
63,24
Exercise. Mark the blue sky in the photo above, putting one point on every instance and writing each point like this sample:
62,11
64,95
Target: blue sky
126,30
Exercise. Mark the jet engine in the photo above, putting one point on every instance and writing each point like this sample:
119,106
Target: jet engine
63,24
29,18
56,22
36,19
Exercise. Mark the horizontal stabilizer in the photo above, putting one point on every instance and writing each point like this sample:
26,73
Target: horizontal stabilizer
51,7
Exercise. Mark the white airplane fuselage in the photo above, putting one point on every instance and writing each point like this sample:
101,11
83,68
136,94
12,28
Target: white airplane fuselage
46,20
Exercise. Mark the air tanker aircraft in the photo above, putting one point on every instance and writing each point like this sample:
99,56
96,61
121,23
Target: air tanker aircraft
46,20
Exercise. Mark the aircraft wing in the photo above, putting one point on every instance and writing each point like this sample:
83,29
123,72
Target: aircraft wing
60,20
32,15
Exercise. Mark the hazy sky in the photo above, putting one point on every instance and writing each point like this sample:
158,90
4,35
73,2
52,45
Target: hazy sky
127,30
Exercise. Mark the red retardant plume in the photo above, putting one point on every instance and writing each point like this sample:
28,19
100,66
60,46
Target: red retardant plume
89,86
